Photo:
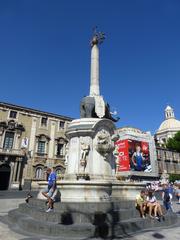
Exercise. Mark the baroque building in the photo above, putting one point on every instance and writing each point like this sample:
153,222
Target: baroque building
30,140
168,128
168,161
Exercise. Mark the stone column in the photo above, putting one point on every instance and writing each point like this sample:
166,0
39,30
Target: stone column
32,142
1,141
51,142
18,170
16,141
94,85
11,175
33,134
15,169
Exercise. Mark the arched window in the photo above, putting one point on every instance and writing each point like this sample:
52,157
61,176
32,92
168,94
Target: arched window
39,173
41,147
60,147
42,143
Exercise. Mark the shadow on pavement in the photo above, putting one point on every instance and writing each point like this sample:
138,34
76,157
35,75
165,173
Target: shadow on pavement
158,236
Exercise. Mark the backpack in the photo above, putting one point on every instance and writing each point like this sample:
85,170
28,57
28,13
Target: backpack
166,196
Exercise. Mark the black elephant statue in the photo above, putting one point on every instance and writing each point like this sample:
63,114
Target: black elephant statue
87,109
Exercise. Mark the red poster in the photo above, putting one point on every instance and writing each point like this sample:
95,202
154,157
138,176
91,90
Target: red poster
145,147
123,155
126,153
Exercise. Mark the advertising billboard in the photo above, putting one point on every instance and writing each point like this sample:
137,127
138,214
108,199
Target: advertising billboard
122,153
132,155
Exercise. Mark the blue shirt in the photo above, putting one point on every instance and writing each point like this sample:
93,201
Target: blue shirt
171,190
51,179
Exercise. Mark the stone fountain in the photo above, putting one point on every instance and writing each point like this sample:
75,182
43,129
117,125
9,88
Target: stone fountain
93,203
91,164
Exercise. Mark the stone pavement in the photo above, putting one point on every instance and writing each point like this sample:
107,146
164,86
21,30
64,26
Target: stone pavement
11,200
165,234
6,205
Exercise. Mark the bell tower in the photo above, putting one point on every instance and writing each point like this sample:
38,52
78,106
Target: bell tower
169,112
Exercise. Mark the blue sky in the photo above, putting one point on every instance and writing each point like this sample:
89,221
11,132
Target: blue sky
45,56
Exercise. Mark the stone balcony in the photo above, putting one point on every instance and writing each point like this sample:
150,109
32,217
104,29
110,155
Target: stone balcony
39,159
12,152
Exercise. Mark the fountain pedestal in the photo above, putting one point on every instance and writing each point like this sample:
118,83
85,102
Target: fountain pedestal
88,175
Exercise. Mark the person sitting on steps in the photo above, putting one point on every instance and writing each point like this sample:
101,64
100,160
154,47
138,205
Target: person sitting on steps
141,203
154,205
51,189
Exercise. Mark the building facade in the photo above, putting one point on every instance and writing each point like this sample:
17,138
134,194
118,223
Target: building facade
30,141
168,161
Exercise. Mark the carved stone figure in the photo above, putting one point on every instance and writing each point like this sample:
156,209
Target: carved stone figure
84,153
66,154
164,178
104,143
103,137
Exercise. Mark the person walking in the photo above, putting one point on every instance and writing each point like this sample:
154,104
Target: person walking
177,193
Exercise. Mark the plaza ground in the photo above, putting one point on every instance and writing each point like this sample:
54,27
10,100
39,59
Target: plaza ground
11,199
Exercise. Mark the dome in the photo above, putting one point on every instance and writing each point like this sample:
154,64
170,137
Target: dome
170,124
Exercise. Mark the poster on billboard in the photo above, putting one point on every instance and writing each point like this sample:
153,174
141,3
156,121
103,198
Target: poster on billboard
122,154
132,155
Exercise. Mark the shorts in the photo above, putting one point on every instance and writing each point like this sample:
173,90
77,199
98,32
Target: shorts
50,192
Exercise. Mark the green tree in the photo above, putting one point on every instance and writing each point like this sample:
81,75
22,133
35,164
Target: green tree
174,143
174,177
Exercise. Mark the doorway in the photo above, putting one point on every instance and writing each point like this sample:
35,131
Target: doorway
5,171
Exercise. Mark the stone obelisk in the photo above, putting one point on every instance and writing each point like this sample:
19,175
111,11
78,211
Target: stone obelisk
94,83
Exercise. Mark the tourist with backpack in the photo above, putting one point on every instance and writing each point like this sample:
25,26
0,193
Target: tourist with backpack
166,197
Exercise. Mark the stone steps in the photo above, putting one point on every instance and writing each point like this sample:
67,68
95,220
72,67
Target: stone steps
82,221
31,225
138,224
103,206
77,216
